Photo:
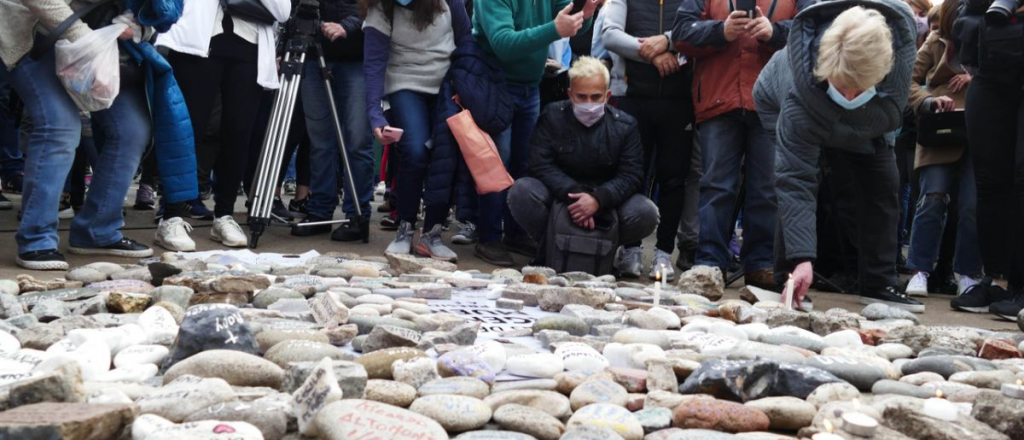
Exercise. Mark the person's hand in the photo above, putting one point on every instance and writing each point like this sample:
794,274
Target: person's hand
584,208
568,24
735,25
760,28
653,46
126,35
803,276
589,8
379,134
587,224
943,104
959,82
667,64
333,31
552,66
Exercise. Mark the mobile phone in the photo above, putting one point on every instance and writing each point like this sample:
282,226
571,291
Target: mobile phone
750,6
393,134
577,6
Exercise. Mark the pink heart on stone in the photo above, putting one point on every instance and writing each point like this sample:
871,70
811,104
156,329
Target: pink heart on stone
223,429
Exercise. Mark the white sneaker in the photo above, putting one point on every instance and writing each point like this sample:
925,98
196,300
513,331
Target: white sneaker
663,263
226,231
918,285
964,282
172,234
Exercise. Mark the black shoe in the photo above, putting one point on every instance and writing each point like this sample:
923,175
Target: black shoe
389,223
308,231
48,259
901,265
298,207
1008,309
13,184
978,298
124,248
348,232
686,259
893,297
5,203
495,254
522,245
280,212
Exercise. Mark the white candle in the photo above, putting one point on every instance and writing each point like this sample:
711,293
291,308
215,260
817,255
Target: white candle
657,288
939,408
1015,391
859,424
787,293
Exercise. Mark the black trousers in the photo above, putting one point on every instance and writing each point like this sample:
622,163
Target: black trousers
995,129
229,72
666,131
876,211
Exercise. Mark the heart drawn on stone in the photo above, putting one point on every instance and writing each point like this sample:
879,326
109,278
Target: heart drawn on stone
223,429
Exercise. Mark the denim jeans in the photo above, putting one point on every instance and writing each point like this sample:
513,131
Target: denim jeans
121,133
349,86
12,163
729,142
413,112
514,148
930,219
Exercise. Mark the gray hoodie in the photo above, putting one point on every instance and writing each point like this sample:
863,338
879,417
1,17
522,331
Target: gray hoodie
796,110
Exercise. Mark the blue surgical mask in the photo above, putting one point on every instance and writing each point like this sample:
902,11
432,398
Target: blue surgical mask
856,103
404,2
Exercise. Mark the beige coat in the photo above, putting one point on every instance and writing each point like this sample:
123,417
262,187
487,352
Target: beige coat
932,69
18,20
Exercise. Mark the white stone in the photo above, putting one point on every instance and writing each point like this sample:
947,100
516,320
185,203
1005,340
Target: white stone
184,396
754,331
22,361
10,378
130,373
65,345
8,343
670,319
360,310
328,311
319,390
492,353
844,338
159,325
374,298
116,339
893,352
577,356
627,355
147,424
610,416
535,365
140,354
796,331
110,395
92,356
207,430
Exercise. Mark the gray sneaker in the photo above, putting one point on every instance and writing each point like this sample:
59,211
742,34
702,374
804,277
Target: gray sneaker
430,246
403,240
467,234
630,262
662,262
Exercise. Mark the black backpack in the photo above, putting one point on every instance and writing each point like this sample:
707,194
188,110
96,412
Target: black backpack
570,248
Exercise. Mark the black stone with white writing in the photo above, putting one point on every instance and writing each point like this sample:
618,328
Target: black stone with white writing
212,327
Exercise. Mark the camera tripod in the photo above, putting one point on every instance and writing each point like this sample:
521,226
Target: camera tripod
301,42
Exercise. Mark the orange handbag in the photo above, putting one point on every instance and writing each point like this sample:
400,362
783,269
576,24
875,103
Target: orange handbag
480,153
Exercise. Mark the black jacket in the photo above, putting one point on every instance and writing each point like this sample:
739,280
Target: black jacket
605,160
345,13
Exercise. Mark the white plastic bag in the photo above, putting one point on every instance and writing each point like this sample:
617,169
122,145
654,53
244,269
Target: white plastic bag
89,68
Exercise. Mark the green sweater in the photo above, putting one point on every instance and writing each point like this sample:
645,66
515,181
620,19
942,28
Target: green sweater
518,33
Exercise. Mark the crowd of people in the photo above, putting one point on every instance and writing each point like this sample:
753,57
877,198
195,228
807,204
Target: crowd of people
777,140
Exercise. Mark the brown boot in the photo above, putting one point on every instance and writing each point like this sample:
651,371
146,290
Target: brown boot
764,279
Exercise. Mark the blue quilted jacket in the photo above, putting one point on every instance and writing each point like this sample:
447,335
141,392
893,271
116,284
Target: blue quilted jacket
173,140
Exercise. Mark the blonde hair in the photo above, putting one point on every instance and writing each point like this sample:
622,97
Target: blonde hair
923,5
856,50
589,67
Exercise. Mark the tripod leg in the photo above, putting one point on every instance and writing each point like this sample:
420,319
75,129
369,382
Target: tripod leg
362,223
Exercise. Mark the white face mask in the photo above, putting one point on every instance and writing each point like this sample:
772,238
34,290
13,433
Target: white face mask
922,25
588,113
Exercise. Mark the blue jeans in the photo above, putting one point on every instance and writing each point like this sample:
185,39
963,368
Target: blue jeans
728,142
930,219
12,163
349,86
413,112
514,148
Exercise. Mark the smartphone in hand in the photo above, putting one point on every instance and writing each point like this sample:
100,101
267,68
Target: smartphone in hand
392,134
578,5
749,6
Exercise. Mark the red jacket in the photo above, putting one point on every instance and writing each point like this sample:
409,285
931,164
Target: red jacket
724,73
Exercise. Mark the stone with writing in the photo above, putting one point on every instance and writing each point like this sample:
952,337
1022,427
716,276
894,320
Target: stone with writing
535,365
328,310
598,391
130,373
532,421
208,430
580,357
177,400
159,325
270,414
466,362
378,364
297,350
458,385
212,327
235,367
390,392
351,377
553,403
386,336
454,413
415,372
269,337
363,419
319,390
267,297
92,356
66,421
22,361
605,415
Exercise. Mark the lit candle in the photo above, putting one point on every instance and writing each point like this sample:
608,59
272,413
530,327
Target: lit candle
1015,391
827,435
859,424
657,288
787,293
940,408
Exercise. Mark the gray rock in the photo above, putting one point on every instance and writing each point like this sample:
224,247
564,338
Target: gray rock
591,316
832,392
785,413
910,422
960,340
984,379
297,350
270,295
824,324
351,377
10,306
269,415
574,326
783,317
179,295
86,275
1001,413
793,340
91,306
63,385
40,336
855,371
235,367
386,336
705,281
9,287
590,432
50,310
948,365
177,400
458,385
879,311
901,389
654,419
552,299
366,324
534,422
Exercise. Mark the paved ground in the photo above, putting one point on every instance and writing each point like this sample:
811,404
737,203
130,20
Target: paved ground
140,226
